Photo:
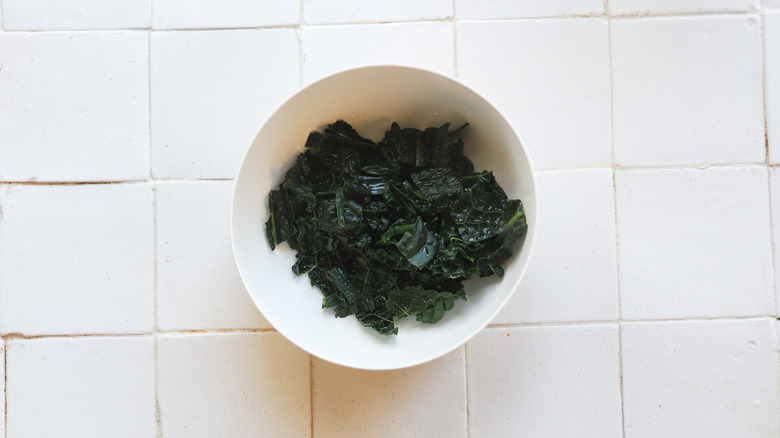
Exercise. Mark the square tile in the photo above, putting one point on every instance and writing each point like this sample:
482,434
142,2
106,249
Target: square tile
772,4
700,378
211,92
75,14
426,400
772,39
475,9
566,282
687,90
544,382
693,242
347,11
75,106
234,385
633,7
197,14
198,286
377,44
555,91
84,386
76,259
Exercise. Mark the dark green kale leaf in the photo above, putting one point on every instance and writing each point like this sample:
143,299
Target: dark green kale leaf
392,229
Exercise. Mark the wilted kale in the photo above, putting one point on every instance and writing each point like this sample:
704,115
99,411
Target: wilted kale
391,229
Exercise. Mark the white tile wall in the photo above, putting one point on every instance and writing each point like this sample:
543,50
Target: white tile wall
687,90
772,41
418,401
694,243
90,387
677,99
475,9
544,382
237,385
700,378
329,49
76,259
580,283
344,11
197,281
554,84
75,106
75,14
211,91
632,7
198,14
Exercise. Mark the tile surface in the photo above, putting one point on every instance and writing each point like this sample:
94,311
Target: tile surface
233,385
694,243
75,106
418,401
580,282
211,94
86,387
197,281
377,44
195,14
700,378
344,11
88,271
772,40
475,9
537,86
687,90
544,381
75,14
649,305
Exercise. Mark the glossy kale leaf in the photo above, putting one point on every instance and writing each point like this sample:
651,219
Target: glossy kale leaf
392,229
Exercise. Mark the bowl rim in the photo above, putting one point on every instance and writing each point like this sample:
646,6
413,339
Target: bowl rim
530,241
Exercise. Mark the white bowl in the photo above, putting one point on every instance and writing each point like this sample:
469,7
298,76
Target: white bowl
370,98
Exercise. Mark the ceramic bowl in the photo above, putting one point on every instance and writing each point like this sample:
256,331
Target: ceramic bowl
370,98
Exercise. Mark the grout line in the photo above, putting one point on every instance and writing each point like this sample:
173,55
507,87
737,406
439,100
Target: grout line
615,212
183,333
299,36
617,166
311,396
620,380
72,183
466,376
157,413
150,29
153,183
769,178
5,388
167,333
455,32
149,179
631,321
541,169
639,16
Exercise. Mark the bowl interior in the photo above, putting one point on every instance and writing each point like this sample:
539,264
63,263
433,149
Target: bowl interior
370,98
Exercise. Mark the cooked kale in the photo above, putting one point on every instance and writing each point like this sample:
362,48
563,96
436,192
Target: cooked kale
392,229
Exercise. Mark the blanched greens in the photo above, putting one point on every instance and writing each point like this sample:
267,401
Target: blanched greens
392,229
